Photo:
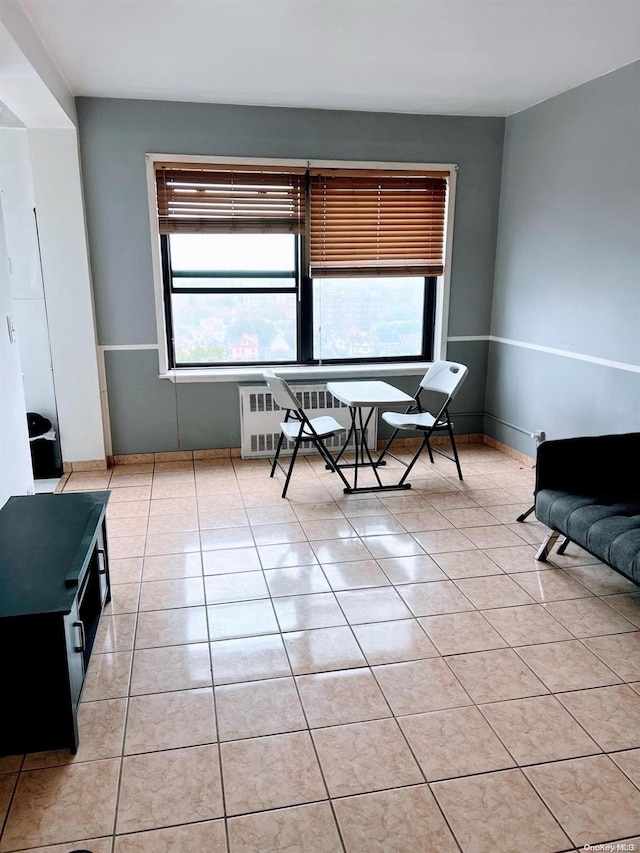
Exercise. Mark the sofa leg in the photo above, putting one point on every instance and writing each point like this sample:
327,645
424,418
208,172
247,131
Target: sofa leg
563,546
523,516
547,545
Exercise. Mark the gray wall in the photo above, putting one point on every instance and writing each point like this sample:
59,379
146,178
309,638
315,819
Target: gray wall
151,414
568,266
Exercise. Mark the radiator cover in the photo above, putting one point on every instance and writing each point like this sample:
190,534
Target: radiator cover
260,419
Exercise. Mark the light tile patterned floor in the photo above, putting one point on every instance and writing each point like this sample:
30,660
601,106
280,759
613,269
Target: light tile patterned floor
387,673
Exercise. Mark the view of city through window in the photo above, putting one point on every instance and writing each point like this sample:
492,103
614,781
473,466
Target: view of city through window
232,328
223,326
367,317
217,321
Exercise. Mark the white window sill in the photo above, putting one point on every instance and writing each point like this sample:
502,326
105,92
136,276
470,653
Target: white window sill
296,372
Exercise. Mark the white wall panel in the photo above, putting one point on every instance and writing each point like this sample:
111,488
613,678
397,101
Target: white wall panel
15,460
58,197
26,280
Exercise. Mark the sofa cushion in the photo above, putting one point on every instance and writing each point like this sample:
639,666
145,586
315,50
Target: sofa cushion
554,507
625,553
599,523
607,527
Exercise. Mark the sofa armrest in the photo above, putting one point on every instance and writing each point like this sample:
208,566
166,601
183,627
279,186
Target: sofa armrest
605,464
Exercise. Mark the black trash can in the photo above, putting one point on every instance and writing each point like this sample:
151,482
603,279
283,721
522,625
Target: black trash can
44,447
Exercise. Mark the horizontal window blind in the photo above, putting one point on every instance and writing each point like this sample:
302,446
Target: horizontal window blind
365,223
224,199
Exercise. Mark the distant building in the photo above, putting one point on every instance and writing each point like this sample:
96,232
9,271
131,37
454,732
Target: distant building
245,349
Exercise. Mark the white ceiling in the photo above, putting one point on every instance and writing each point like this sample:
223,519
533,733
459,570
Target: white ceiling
469,57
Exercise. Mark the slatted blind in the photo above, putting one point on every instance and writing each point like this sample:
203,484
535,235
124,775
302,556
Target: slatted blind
222,199
367,223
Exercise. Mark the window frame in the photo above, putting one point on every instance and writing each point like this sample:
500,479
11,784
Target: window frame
436,303
168,275
428,328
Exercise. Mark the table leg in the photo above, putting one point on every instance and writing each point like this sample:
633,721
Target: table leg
364,447
356,445
362,453
352,432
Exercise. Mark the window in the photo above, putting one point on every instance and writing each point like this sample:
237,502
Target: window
243,311
285,265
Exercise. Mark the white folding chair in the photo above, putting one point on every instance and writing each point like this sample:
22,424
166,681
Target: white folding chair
443,378
299,428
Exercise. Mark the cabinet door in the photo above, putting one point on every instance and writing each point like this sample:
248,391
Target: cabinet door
103,566
41,681
75,640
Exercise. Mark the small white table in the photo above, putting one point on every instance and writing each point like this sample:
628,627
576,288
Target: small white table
368,394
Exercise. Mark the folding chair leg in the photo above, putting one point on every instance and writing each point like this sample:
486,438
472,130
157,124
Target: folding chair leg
547,545
425,443
290,471
563,546
330,462
386,447
275,458
430,451
455,450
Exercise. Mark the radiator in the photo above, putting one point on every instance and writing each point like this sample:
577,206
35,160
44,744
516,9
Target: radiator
260,419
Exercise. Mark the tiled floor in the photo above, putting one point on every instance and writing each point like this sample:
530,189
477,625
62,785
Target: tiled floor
387,673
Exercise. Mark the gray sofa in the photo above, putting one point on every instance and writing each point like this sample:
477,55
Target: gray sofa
588,489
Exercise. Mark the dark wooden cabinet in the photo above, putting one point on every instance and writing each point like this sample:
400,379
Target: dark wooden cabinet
54,583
